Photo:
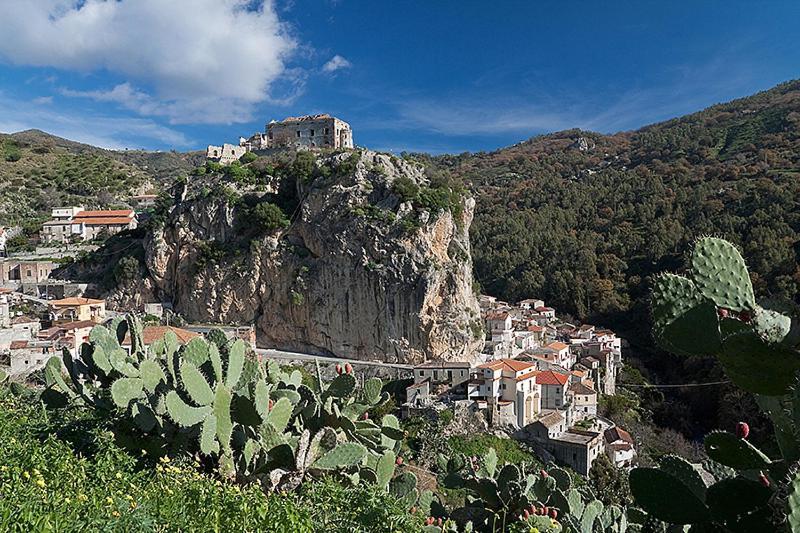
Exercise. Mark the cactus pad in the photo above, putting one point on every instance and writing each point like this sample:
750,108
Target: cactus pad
195,384
720,274
185,415
665,497
732,498
773,327
793,502
278,416
125,390
683,321
729,450
372,390
757,367
342,386
385,469
684,471
345,454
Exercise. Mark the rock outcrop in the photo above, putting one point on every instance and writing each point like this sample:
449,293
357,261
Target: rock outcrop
358,273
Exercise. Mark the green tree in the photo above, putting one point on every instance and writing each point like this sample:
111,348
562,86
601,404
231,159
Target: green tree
268,217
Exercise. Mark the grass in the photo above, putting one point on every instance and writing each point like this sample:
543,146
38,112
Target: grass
508,450
63,471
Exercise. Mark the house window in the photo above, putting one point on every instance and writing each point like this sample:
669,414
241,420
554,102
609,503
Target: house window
327,131
311,133
298,133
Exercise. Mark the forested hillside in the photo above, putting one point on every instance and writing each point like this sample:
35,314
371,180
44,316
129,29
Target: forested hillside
39,171
582,219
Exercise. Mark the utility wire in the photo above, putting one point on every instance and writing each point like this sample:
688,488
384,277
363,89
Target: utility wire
674,386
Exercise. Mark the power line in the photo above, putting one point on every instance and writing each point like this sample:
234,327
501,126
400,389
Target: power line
674,386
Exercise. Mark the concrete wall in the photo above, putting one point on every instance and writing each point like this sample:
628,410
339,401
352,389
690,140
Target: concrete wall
328,132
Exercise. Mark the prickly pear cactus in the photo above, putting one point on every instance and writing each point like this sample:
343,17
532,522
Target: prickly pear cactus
256,421
714,312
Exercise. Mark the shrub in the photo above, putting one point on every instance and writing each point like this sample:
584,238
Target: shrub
268,217
304,166
126,270
405,188
248,157
508,450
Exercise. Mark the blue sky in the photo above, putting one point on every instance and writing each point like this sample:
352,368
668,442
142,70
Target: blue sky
414,75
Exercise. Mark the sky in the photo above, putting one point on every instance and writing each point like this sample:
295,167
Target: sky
438,77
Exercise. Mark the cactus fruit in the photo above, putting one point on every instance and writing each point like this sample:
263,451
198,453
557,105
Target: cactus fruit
742,430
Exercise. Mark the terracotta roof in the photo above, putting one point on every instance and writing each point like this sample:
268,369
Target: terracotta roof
552,419
617,433
103,214
511,364
543,309
18,345
69,302
527,376
150,334
106,221
78,325
580,388
497,316
536,328
4,290
551,378
621,446
557,346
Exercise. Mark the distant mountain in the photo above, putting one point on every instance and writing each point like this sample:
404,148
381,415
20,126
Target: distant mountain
39,171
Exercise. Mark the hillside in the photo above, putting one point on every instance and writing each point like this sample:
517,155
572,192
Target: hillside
582,219
39,171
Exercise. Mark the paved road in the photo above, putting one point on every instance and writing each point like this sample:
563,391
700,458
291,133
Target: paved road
296,356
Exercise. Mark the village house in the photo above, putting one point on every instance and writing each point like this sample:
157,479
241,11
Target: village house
70,224
583,400
15,272
25,356
577,449
554,389
619,447
69,335
450,372
77,309
531,303
510,389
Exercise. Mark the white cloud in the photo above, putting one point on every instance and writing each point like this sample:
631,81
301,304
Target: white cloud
337,62
43,100
97,130
207,61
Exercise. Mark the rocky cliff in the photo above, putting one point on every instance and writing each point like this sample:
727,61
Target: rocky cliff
374,263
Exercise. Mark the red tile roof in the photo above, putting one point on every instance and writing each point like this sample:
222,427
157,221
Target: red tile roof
551,378
104,214
80,324
617,433
511,364
70,302
18,345
557,346
150,334
536,328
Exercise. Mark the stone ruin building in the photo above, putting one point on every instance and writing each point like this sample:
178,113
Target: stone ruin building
309,131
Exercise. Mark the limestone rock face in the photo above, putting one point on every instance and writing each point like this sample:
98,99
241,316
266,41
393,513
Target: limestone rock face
358,273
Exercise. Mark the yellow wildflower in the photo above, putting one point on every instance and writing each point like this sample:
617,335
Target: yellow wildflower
115,514
40,482
3,468
67,500
129,497
82,497
133,505
118,475
109,500
164,459
26,475
36,472
170,492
